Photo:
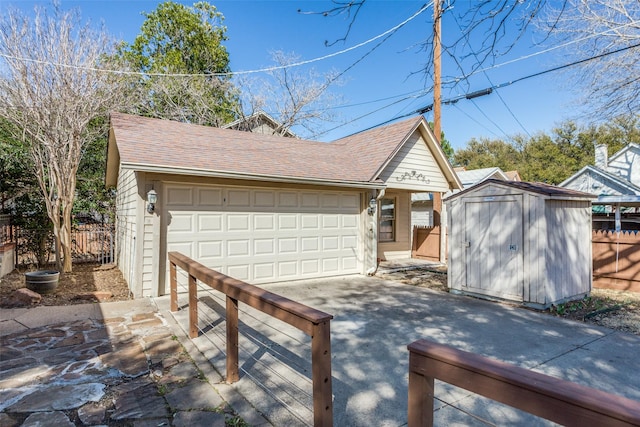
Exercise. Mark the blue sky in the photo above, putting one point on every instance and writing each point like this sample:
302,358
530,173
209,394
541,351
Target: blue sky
387,74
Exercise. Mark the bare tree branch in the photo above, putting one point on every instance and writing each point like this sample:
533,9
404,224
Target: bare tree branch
52,91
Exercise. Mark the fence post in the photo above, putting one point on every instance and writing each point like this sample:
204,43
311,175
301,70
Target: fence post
321,374
233,374
421,392
173,280
193,307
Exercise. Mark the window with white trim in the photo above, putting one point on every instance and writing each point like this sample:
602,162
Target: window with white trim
387,225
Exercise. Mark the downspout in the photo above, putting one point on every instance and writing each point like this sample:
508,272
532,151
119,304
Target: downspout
374,230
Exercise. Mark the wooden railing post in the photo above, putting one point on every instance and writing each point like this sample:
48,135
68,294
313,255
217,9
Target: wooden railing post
193,307
321,375
173,279
421,392
312,322
233,373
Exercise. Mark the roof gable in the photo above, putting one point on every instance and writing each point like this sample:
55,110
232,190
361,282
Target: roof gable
609,183
390,145
549,191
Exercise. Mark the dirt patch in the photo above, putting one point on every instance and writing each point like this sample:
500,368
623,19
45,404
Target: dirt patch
75,287
617,310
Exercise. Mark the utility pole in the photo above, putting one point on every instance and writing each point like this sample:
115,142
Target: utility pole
437,127
437,79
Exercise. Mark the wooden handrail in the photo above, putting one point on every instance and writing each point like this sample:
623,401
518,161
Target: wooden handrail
313,322
554,399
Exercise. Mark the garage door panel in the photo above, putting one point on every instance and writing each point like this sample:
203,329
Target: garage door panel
239,271
330,221
238,198
209,222
265,235
330,265
349,242
264,199
182,247
264,247
288,245
238,222
210,249
310,221
182,222
179,196
287,222
310,244
310,200
287,199
209,197
330,243
238,248
264,222
309,267
288,269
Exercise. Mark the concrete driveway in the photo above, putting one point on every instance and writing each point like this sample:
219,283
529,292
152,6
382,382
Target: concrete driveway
374,321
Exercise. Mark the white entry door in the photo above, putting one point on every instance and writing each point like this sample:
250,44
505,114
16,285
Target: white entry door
266,235
493,246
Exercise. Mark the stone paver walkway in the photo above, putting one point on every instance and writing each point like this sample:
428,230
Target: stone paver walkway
124,369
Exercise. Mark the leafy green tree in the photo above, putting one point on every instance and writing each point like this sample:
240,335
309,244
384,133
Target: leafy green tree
551,158
445,144
486,153
178,39
15,172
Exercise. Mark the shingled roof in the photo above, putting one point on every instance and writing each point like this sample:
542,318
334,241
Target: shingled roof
548,190
173,147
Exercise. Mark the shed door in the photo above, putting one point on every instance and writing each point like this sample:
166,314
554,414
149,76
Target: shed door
493,246
266,235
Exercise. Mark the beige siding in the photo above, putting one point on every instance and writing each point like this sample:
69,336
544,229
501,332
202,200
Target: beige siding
568,260
456,271
401,247
126,204
414,168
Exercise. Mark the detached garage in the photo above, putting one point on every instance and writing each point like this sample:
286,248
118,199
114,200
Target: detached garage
519,241
263,208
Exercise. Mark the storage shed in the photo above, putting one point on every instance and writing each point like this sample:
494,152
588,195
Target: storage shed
520,241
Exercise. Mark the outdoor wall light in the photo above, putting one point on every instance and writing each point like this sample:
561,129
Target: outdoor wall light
152,198
373,203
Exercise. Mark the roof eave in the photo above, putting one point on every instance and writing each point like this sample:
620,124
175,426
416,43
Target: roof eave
251,177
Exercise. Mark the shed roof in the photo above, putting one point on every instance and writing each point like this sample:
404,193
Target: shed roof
156,145
551,191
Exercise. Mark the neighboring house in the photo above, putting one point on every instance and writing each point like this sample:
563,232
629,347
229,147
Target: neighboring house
260,122
422,203
265,208
615,180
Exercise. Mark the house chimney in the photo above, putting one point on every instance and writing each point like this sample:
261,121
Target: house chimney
602,155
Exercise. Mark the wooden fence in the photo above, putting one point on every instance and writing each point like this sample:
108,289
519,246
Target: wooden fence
426,243
313,322
616,260
89,243
557,400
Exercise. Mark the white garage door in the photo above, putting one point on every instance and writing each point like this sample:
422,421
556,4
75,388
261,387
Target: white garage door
264,235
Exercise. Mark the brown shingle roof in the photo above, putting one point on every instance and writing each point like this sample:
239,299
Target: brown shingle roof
143,141
535,187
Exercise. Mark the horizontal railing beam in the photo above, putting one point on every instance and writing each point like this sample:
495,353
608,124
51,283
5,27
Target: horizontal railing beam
548,397
295,314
